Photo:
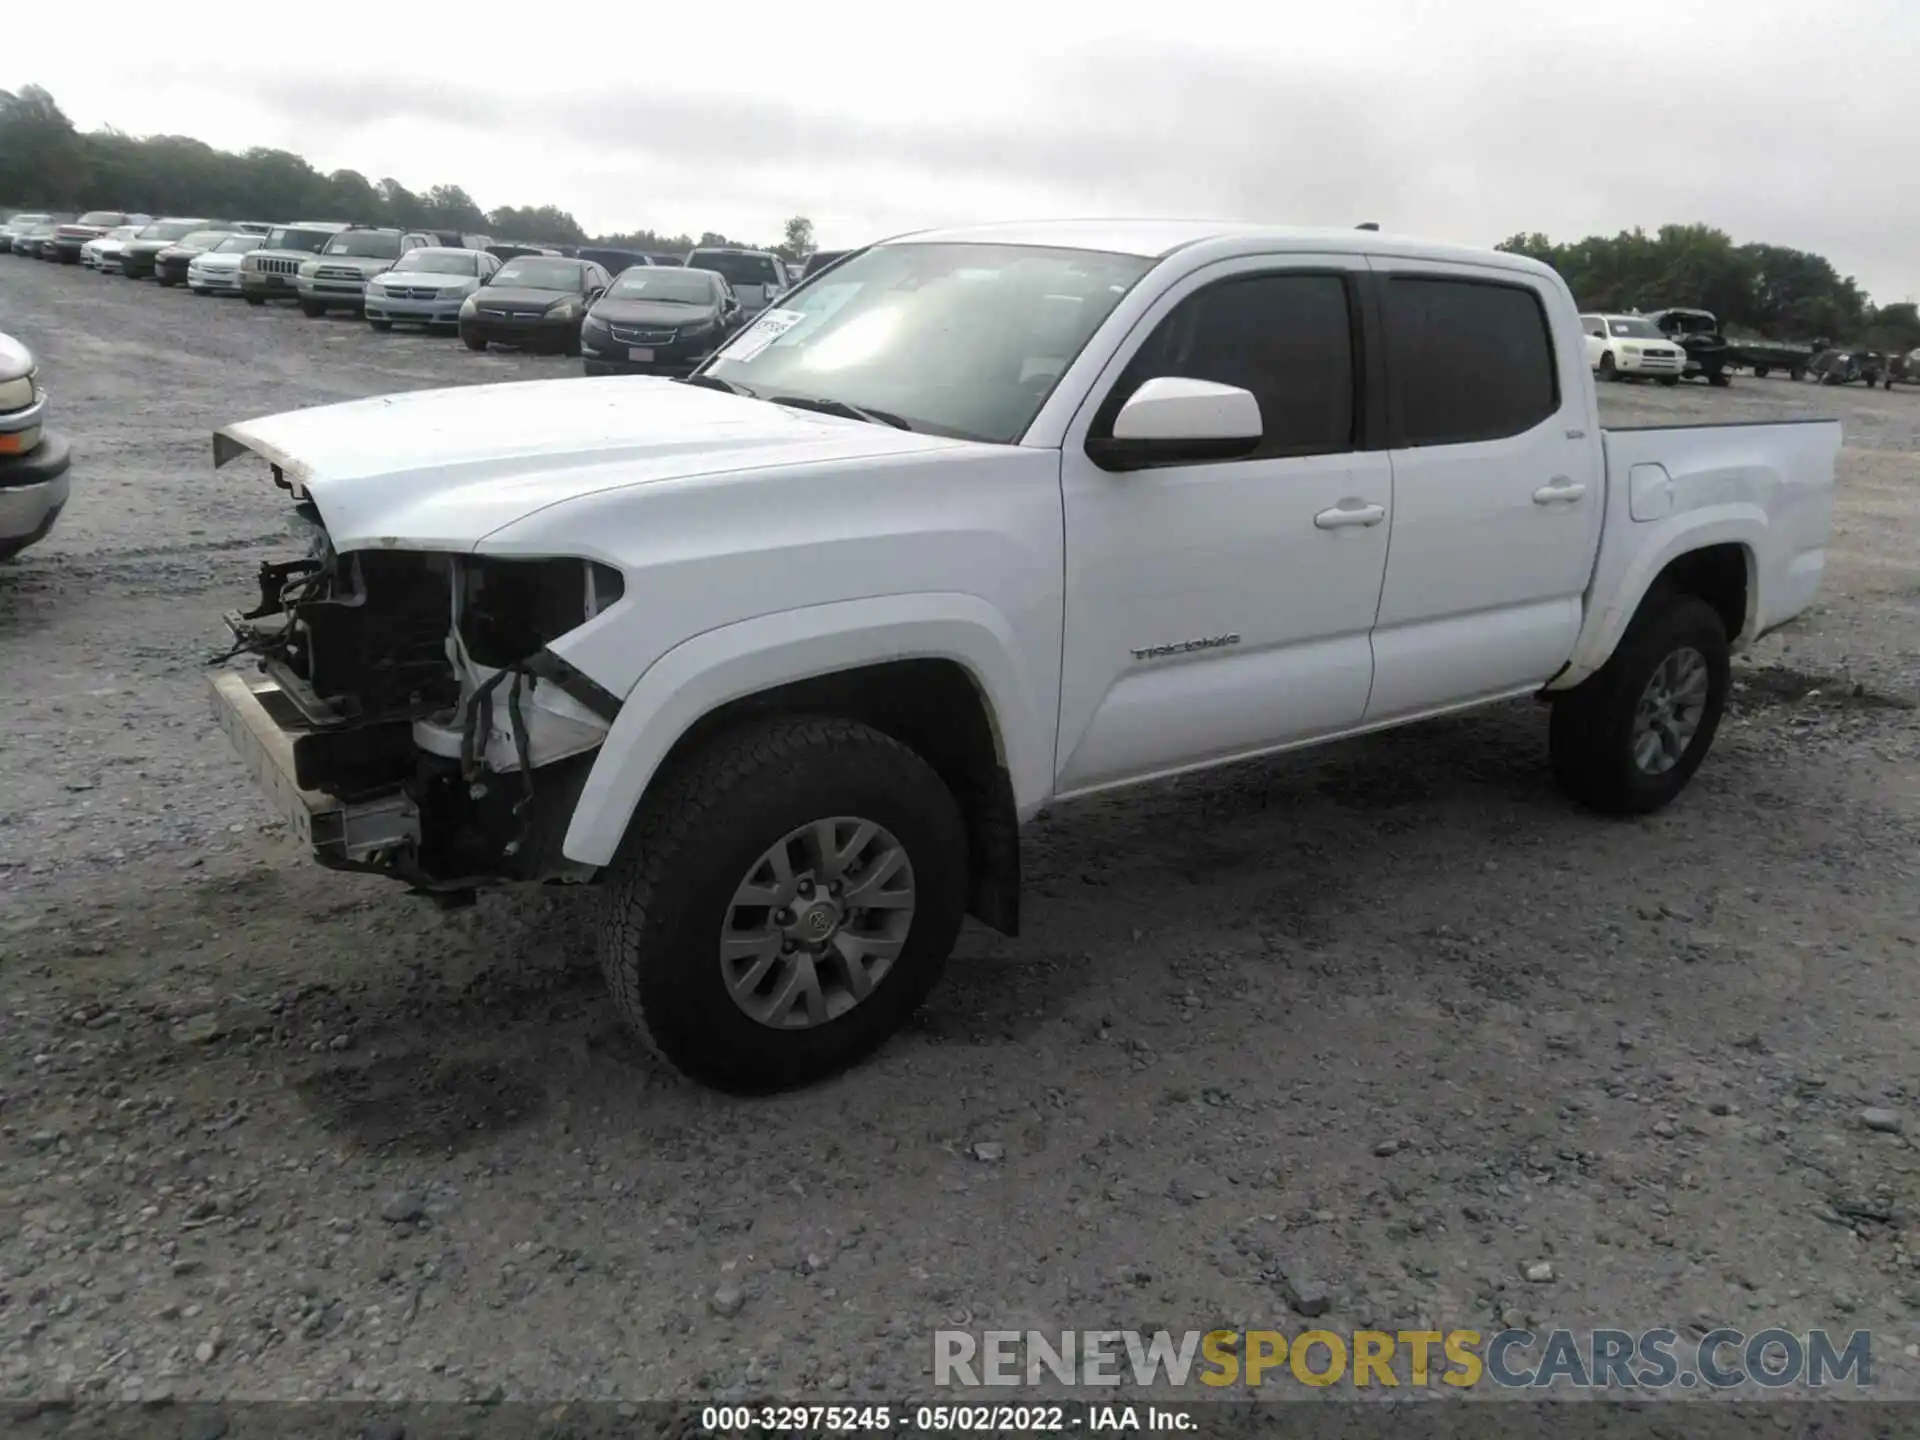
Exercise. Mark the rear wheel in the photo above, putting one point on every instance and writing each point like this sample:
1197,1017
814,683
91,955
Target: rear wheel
313,309
1719,377
256,300
1628,739
784,902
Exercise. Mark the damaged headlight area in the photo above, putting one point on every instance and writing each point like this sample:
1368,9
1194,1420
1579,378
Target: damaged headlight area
408,715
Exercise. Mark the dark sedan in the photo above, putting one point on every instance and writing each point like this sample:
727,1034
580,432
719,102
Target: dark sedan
656,319
170,265
136,260
533,301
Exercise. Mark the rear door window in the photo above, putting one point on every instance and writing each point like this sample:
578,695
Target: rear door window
1468,360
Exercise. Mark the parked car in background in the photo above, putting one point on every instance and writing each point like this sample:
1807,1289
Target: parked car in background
657,319
28,238
820,260
137,258
1622,345
273,271
1697,332
612,261
755,276
170,265
96,252
68,239
655,258
337,277
427,286
19,223
457,240
514,252
533,301
216,270
33,460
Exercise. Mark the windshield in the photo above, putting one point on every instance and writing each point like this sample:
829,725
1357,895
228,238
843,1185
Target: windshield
202,239
99,217
676,287
237,245
1634,329
737,269
439,262
364,244
287,238
965,340
123,232
169,229
539,274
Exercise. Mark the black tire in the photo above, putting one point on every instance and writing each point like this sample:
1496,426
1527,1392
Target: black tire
381,324
1760,372
1669,380
1719,377
313,309
256,299
1591,736
1608,370
473,342
1797,373
700,834
165,283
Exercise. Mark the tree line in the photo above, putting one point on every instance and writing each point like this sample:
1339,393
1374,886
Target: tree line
47,163
1770,291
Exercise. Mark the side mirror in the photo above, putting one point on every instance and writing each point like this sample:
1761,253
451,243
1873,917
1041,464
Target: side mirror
1172,420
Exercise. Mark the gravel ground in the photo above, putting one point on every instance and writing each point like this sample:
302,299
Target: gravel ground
1392,1018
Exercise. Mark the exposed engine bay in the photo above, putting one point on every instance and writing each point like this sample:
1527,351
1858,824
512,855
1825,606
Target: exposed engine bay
415,692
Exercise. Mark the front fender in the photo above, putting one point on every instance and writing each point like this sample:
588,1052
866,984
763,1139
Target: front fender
1617,594
736,661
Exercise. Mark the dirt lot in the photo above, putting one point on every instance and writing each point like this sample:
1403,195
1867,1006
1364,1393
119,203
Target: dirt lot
1393,1016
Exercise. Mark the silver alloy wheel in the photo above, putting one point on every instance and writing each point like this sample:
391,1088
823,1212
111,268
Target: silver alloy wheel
1668,716
817,923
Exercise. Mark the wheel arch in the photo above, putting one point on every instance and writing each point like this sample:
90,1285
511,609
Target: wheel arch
1716,557
940,673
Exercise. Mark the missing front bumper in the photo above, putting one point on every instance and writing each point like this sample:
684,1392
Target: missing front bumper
263,725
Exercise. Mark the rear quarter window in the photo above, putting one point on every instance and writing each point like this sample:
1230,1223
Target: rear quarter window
1468,360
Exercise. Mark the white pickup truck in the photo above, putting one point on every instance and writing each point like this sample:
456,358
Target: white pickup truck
977,521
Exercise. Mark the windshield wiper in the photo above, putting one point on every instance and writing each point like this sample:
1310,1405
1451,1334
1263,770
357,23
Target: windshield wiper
714,382
840,407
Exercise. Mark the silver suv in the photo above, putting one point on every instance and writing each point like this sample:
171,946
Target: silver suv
272,272
338,275
33,460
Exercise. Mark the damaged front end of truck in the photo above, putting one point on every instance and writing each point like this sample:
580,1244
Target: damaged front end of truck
403,710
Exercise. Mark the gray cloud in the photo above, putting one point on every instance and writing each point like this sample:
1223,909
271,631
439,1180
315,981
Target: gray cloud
1797,137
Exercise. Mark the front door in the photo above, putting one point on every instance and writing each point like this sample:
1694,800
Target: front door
1223,608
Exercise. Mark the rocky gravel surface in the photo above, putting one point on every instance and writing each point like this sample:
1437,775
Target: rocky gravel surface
1388,1033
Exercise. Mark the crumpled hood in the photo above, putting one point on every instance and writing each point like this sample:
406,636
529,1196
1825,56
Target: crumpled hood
444,469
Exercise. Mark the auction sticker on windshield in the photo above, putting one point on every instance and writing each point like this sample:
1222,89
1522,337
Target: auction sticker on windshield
763,332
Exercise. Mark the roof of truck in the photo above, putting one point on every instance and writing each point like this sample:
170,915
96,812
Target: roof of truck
1156,239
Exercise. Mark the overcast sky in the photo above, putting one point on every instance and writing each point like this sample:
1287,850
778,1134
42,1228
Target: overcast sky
1789,121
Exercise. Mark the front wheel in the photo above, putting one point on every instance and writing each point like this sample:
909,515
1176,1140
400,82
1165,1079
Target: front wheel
1628,739
256,300
313,309
1719,377
1669,380
472,341
1608,370
381,324
784,902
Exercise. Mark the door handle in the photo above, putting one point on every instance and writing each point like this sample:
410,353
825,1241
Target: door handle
1561,489
1342,516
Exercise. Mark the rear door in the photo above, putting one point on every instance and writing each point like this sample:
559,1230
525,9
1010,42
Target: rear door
1497,485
